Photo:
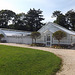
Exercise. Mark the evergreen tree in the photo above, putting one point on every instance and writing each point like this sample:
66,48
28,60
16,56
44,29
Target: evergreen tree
67,20
60,19
70,18
34,19
20,22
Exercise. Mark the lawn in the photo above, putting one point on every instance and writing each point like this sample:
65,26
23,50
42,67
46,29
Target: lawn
26,61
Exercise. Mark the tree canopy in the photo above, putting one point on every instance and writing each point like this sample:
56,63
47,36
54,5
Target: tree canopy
32,21
59,35
66,20
35,35
34,18
6,16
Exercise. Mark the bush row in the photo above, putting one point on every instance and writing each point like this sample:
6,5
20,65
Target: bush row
38,44
61,46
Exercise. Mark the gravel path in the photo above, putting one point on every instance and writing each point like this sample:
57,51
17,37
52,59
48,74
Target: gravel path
68,57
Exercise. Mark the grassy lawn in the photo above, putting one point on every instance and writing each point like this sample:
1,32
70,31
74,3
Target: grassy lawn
25,61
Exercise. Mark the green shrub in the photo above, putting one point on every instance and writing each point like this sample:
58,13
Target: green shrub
61,46
38,44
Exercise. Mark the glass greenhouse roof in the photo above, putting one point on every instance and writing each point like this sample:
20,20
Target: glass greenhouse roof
16,33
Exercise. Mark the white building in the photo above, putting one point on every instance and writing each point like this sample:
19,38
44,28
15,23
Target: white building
46,35
48,30
16,36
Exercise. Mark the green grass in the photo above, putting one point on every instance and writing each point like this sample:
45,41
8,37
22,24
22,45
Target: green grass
26,61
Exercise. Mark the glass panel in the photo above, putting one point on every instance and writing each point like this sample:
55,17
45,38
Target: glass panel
48,38
44,38
48,43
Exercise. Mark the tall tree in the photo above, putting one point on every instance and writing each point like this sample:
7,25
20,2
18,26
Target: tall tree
5,17
20,22
60,19
70,18
34,18
56,13
67,20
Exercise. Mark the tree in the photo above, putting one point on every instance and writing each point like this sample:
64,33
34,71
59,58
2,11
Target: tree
1,36
60,19
59,35
5,17
66,20
34,18
70,18
56,13
20,22
35,35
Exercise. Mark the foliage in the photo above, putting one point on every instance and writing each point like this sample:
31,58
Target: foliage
70,17
11,26
5,17
56,13
20,23
38,44
28,22
1,36
35,35
66,20
34,18
57,47
59,35
61,46
26,61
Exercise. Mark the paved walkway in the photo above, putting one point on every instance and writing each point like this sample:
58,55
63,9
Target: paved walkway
68,57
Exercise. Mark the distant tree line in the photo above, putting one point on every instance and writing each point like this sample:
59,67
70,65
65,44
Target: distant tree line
32,21
66,20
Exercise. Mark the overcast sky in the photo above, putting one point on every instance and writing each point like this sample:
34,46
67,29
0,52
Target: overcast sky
47,6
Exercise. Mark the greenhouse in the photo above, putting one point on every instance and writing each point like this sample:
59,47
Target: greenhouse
16,36
23,37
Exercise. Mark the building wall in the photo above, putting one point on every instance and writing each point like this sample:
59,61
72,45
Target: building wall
50,28
19,39
65,40
68,40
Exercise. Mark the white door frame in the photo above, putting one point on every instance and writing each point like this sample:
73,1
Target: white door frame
48,40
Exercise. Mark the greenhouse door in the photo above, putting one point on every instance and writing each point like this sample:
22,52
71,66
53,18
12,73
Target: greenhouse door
48,40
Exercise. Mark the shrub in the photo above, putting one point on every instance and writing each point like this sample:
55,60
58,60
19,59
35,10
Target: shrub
38,44
59,35
61,46
3,41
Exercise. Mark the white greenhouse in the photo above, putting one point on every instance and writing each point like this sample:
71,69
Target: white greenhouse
15,36
12,36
